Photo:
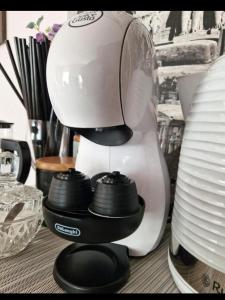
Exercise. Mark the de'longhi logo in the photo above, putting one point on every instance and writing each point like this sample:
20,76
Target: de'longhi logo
72,231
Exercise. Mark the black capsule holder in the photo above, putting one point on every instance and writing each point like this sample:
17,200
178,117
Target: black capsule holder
92,264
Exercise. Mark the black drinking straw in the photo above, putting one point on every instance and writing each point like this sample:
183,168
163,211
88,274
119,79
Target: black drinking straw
27,75
41,73
36,96
11,83
41,101
50,144
32,78
44,59
44,52
23,77
16,43
46,46
9,49
49,105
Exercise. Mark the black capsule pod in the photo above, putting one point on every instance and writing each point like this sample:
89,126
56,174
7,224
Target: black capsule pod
115,196
70,191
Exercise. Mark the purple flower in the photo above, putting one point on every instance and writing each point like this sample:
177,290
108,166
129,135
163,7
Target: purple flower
51,35
40,36
56,27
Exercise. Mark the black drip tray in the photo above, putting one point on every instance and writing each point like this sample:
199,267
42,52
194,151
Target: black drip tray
87,228
102,268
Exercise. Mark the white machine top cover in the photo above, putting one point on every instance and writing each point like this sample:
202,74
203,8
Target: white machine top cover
83,69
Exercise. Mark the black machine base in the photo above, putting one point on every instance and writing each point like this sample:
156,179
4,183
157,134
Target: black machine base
101,268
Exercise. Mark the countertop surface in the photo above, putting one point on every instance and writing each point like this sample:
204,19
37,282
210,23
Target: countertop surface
31,270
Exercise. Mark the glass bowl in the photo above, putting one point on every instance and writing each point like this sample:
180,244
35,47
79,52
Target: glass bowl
18,231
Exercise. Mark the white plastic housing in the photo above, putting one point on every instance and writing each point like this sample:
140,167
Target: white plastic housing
115,59
83,71
140,158
198,221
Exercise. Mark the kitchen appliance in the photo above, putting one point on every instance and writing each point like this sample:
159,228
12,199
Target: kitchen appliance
196,255
103,84
20,205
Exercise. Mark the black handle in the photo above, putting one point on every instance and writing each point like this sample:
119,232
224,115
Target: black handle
24,154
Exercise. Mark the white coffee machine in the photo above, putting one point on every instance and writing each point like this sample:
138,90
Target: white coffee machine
102,82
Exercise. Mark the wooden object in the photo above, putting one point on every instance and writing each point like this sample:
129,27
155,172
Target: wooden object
55,163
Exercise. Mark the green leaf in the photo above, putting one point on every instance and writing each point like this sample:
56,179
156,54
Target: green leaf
48,29
30,25
39,20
